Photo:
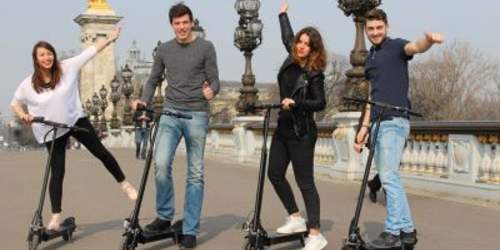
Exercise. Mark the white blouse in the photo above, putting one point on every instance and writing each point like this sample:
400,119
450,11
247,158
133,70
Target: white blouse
61,104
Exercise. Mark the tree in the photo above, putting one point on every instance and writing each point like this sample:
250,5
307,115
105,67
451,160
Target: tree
454,84
335,87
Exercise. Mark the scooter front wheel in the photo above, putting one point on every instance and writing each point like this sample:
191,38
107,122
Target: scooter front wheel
125,244
249,246
33,242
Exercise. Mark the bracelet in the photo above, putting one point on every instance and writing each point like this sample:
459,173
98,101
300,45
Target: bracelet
366,126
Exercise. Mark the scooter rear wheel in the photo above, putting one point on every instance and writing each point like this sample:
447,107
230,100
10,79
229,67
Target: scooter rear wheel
33,242
68,236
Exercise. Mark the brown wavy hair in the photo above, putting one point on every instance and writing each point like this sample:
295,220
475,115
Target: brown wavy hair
55,71
316,60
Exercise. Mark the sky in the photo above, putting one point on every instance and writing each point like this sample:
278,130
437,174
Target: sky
24,22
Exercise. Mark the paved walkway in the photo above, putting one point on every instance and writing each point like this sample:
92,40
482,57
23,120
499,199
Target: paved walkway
91,195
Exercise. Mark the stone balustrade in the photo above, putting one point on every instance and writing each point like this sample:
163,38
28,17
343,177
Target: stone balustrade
457,158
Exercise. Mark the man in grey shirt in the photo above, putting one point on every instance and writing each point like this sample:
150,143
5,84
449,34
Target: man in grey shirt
192,75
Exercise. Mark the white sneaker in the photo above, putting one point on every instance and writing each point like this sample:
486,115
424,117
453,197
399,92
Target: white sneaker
55,222
293,225
315,242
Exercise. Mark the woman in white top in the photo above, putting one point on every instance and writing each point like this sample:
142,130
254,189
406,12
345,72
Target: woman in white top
52,92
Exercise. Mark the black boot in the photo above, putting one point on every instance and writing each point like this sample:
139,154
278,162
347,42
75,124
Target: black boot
188,242
385,241
409,239
374,185
157,225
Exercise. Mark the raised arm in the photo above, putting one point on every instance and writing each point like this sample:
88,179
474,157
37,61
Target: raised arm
102,44
78,61
286,28
423,44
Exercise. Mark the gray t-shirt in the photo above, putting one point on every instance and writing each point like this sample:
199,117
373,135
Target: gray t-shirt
187,66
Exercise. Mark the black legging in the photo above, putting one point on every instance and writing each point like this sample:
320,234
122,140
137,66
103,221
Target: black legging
92,143
300,151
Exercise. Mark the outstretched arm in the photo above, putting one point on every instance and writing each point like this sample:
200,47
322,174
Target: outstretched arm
86,55
111,38
423,44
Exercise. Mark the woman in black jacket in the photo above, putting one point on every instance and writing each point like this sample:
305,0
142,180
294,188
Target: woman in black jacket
301,84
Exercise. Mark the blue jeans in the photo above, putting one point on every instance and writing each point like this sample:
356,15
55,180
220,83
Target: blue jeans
388,150
141,140
170,132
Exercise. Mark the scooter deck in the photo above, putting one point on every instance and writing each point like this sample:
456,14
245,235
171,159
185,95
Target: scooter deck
67,227
274,239
368,247
174,232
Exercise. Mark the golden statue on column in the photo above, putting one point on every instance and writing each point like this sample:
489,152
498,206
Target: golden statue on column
98,5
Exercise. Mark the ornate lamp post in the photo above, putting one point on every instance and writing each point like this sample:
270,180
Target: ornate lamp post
356,81
114,97
198,31
88,108
127,90
95,109
247,37
158,99
103,93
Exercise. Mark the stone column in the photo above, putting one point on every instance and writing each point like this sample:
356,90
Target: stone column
96,24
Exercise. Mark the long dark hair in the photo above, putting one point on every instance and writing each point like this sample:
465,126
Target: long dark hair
316,60
55,71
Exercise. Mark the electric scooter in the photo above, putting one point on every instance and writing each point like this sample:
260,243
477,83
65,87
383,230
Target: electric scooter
257,237
354,240
37,232
134,234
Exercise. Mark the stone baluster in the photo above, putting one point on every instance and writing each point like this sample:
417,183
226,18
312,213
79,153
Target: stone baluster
485,166
414,155
422,156
430,164
440,160
495,166
406,157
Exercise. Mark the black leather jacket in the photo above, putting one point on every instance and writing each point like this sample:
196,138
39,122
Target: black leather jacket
309,90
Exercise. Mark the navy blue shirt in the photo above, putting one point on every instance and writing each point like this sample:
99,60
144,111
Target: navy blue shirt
386,67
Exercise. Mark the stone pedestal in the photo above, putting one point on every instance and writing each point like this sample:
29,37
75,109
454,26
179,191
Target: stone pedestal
349,164
244,139
464,158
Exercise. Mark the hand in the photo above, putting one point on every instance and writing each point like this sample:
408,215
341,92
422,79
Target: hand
208,93
26,118
358,147
116,32
284,7
361,139
287,103
434,37
136,103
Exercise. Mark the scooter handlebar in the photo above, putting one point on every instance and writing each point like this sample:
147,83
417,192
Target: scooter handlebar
40,119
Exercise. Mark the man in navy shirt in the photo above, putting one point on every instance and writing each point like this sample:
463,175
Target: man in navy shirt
386,67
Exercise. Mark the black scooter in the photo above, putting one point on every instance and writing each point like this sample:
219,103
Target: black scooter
354,240
257,237
37,232
134,234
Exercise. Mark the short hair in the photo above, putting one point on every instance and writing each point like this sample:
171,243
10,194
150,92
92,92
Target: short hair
178,10
376,14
